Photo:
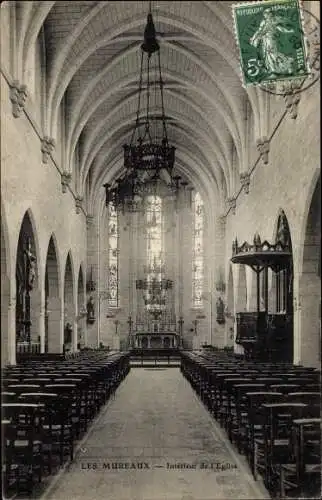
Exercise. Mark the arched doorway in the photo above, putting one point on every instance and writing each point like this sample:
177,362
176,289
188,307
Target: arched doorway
5,297
81,316
27,290
69,306
310,284
52,300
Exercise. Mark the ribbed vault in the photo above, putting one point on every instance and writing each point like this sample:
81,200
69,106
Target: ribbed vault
92,65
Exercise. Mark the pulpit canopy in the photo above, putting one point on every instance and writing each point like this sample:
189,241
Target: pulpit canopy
260,255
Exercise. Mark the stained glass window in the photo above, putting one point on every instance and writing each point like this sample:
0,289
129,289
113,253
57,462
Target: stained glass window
154,234
113,257
198,251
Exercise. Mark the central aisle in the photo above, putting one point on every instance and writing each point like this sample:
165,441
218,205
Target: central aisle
153,441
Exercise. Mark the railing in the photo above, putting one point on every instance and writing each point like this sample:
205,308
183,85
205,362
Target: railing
155,357
28,347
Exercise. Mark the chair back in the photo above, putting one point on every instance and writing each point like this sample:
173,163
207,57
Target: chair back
284,388
9,397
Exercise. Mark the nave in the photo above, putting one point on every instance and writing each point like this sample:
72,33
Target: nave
156,420
221,427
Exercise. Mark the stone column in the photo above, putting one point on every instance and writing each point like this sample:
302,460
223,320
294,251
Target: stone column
75,325
5,336
12,330
93,274
37,315
41,326
55,325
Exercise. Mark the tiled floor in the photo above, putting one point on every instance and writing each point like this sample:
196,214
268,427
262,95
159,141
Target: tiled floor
153,441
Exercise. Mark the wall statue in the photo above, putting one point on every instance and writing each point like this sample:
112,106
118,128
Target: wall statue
90,310
220,310
30,267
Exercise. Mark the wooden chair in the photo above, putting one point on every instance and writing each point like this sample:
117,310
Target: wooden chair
63,431
49,406
257,419
274,448
303,475
9,397
238,426
22,444
20,388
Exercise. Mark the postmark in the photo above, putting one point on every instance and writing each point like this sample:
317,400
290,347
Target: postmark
271,41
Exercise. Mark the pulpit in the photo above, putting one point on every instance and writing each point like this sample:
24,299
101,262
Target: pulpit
264,334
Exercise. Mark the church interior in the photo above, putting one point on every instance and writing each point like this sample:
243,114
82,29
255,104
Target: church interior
160,257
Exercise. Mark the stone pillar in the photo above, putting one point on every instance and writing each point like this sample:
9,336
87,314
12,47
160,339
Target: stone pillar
37,315
93,274
5,297
251,279
75,326
12,330
55,325
75,335
41,326
297,329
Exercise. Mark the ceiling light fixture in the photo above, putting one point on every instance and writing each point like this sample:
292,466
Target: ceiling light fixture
148,158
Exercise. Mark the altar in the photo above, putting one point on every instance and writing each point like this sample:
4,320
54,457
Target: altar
151,340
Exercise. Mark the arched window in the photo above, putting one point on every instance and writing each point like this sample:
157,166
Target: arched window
198,251
154,250
113,257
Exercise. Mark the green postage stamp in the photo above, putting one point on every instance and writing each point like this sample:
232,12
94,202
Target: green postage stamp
271,41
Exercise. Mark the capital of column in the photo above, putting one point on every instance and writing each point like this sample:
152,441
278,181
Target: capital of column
78,203
291,102
18,97
231,203
89,220
65,181
47,147
262,145
221,219
245,181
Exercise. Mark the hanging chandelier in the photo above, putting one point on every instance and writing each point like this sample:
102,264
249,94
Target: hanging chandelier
148,158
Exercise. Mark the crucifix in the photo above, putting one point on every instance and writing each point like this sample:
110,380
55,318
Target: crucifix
29,278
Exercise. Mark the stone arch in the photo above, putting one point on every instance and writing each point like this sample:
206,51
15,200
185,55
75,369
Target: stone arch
241,297
28,286
52,299
69,305
310,284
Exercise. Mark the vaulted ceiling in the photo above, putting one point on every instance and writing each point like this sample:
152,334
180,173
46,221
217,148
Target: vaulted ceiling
92,63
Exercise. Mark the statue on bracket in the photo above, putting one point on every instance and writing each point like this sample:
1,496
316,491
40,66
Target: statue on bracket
220,310
283,232
90,310
30,266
